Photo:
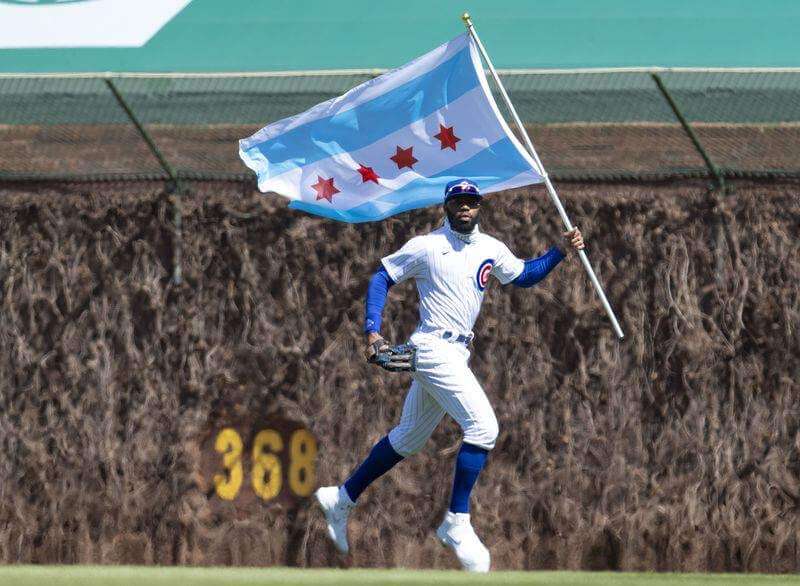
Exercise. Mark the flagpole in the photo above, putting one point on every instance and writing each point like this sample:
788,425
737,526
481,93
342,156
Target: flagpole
550,189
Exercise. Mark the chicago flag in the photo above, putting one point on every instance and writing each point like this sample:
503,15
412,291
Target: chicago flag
392,144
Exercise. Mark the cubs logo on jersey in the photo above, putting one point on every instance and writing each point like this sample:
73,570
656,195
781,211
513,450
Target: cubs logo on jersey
482,276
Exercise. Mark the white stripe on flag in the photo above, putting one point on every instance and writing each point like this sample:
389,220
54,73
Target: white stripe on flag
516,181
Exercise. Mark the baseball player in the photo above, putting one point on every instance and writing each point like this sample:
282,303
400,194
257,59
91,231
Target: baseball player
451,266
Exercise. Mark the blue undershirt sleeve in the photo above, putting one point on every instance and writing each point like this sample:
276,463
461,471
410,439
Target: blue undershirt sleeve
537,269
376,298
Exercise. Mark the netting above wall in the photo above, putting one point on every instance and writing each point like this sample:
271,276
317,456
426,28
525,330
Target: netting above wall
602,124
589,124
749,123
65,127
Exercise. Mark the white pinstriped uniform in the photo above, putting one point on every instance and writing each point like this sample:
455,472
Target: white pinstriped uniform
451,272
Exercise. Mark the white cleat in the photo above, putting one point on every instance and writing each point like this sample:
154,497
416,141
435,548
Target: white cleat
336,505
456,531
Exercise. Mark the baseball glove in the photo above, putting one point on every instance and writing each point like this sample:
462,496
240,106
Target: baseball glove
397,358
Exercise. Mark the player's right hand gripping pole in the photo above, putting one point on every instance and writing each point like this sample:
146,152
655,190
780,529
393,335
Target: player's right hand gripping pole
550,189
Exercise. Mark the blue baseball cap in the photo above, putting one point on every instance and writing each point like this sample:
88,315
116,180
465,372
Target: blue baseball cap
461,187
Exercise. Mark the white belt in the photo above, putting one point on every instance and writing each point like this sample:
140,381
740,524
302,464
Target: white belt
449,335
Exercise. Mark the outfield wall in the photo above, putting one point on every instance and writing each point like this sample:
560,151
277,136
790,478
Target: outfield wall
252,35
676,450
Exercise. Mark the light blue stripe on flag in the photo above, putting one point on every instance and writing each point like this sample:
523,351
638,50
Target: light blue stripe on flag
492,165
368,122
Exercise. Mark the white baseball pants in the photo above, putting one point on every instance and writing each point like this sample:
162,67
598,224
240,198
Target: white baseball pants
443,383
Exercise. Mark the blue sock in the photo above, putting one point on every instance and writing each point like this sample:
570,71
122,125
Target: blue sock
469,463
380,460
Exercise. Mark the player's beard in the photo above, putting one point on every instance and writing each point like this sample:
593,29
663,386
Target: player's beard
460,225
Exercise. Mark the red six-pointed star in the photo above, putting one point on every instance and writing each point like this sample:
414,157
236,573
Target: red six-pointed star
367,174
447,137
325,188
404,158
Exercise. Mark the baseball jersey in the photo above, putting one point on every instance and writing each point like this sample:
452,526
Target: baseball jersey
451,274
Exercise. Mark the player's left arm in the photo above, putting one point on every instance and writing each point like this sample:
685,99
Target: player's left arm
538,268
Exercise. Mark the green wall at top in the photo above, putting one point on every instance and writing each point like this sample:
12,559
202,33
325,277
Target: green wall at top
258,35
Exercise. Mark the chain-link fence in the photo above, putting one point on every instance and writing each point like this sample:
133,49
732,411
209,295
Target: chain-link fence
586,125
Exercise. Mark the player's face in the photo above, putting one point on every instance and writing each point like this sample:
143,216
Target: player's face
462,212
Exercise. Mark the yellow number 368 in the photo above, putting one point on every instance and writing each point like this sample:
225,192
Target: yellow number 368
266,471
